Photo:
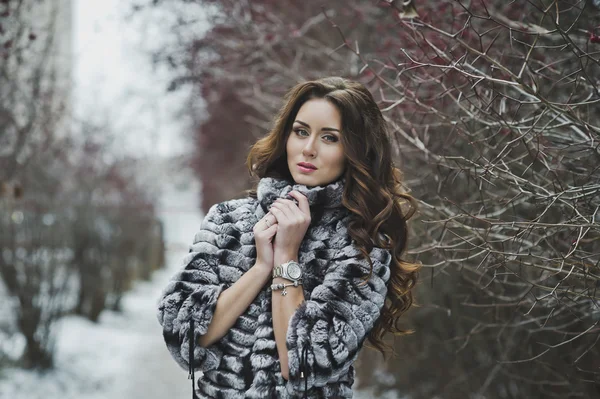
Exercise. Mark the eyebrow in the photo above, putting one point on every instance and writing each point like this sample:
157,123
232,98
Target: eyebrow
327,129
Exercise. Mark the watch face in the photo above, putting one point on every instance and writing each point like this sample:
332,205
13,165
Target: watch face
294,271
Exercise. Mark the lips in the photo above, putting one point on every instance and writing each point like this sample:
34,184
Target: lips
306,168
307,165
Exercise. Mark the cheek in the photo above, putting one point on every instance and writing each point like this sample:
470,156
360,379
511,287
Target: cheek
291,146
288,147
337,159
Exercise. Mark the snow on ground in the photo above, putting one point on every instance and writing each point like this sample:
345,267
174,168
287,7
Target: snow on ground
122,356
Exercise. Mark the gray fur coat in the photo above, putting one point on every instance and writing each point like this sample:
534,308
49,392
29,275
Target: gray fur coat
324,335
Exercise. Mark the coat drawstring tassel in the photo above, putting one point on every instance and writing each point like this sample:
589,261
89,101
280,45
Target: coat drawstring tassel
304,369
191,358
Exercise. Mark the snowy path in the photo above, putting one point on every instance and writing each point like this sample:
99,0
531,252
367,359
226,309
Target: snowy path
121,357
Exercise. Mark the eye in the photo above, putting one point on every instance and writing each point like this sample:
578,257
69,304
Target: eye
331,138
301,132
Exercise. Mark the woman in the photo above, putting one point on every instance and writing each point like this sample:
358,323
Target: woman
281,289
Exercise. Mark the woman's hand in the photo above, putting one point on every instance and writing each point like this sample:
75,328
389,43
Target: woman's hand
264,232
293,221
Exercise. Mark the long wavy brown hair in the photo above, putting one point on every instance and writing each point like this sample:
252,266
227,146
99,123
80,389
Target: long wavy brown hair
373,191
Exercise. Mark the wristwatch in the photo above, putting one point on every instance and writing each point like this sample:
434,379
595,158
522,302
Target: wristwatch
290,271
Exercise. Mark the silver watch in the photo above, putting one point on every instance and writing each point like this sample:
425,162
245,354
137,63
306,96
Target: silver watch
290,271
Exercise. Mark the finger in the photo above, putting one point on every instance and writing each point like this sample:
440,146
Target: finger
279,214
292,212
271,231
290,209
302,202
266,222
266,236
288,205
270,219
267,229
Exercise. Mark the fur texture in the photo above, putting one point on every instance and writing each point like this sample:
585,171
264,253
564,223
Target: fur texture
332,324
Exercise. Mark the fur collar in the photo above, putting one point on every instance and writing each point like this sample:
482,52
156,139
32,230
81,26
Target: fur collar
328,196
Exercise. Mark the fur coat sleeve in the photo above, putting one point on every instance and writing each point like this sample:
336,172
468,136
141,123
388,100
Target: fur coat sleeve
328,329
192,293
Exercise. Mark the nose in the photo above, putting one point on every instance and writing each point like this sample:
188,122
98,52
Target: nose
309,149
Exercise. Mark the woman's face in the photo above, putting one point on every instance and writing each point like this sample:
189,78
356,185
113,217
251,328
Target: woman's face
314,149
